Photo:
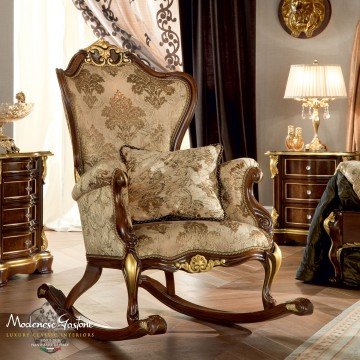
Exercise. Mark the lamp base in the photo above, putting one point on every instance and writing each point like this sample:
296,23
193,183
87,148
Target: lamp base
316,145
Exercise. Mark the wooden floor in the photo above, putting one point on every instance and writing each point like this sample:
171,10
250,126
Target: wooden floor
186,338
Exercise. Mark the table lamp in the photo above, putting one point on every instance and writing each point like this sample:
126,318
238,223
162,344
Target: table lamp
315,85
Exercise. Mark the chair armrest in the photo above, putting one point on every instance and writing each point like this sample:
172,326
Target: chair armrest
98,176
237,179
102,197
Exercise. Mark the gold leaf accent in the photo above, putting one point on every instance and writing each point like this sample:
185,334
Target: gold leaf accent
305,18
44,239
274,160
44,166
274,217
291,307
329,219
199,263
42,292
102,53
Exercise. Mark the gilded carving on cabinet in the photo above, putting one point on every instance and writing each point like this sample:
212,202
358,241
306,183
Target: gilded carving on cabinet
199,263
44,166
274,217
304,18
274,159
44,239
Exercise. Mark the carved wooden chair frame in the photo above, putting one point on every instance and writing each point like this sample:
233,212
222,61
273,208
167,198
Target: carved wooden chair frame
335,225
101,53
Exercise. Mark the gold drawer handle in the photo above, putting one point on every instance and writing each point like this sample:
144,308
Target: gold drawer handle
308,192
308,217
28,243
308,168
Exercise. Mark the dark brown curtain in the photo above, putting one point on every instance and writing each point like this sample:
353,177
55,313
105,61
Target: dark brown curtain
218,42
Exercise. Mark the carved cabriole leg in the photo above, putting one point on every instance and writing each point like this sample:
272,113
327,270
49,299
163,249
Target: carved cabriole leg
91,276
131,272
332,227
271,265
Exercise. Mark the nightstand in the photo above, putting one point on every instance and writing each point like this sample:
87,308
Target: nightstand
23,245
300,179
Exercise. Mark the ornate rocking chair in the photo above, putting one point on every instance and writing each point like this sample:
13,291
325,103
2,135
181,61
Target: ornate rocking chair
112,99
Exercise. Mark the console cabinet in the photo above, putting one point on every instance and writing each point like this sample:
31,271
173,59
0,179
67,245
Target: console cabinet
300,179
23,244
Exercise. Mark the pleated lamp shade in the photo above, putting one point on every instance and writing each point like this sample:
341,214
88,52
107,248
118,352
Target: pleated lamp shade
315,81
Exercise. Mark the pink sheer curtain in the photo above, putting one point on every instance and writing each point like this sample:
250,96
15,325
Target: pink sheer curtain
148,28
353,135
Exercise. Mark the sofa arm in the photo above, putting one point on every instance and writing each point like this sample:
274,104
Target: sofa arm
98,176
237,179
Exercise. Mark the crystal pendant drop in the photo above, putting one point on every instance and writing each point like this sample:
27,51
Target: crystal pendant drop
303,112
326,113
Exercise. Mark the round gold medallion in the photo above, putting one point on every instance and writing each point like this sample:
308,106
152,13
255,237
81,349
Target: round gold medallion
304,19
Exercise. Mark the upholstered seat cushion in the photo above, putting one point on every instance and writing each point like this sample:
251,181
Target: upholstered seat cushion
174,238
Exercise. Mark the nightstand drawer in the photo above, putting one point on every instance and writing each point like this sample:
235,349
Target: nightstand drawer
298,216
303,191
18,215
18,166
310,167
18,243
19,188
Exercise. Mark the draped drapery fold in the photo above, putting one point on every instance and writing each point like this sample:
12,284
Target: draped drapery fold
150,29
219,51
46,35
353,134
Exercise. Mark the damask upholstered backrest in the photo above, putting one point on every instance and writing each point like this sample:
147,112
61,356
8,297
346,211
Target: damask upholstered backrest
112,99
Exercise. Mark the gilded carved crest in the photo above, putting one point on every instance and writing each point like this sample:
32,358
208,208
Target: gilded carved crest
102,53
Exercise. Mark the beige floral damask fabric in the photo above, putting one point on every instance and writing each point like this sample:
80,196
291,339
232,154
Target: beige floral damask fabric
181,184
97,211
123,105
98,176
351,170
232,177
172,239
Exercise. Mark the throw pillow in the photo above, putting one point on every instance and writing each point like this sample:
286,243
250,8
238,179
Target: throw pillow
179,184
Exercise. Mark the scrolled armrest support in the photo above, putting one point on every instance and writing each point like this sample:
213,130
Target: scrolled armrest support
237,178
122,217
262,216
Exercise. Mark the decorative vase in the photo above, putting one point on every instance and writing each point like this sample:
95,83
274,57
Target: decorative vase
289,140
9,113
298,143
